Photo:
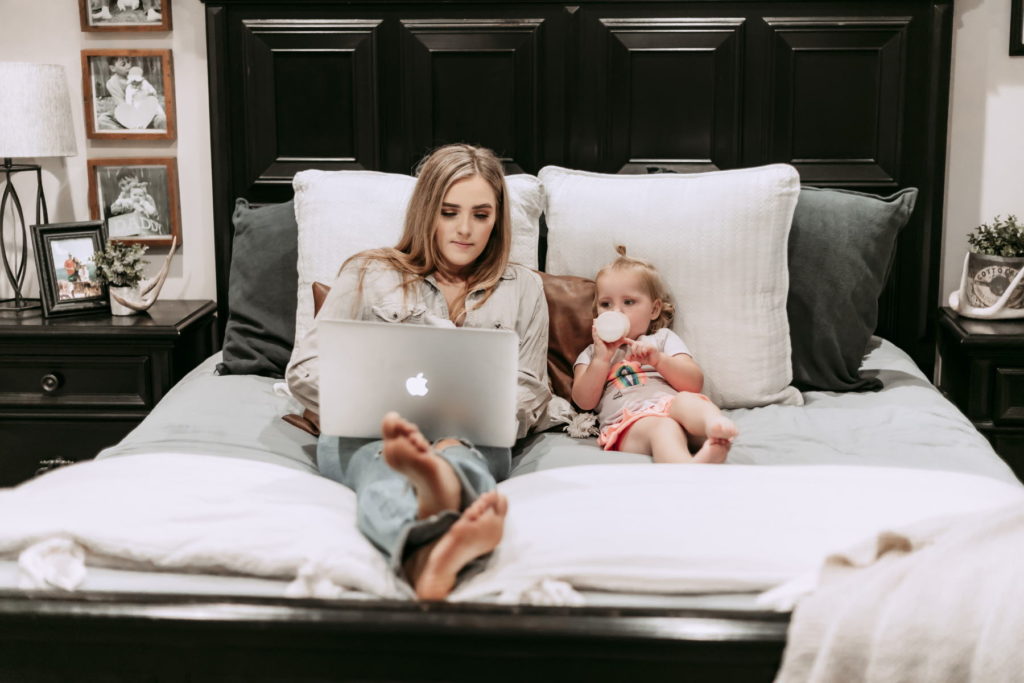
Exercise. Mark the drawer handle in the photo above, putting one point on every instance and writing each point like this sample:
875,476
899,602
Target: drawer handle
51,382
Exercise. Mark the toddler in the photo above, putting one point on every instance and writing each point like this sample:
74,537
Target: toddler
645,385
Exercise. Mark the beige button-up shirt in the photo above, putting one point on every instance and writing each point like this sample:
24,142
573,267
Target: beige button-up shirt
517,304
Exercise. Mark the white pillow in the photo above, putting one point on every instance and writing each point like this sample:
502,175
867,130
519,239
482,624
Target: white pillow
661,529
719,241
193,513
340,213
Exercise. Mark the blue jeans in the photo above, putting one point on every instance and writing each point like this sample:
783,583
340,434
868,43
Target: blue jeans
386,504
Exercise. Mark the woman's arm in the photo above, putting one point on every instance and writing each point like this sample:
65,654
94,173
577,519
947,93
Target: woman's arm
532,392
303,373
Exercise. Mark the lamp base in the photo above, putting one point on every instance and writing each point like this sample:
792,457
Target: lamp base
11,308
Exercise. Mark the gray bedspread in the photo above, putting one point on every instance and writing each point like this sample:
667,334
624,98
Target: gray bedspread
906,424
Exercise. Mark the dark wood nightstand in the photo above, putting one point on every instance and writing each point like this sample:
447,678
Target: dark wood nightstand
983,374
71,386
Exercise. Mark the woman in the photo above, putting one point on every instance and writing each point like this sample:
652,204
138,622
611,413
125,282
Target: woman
450,267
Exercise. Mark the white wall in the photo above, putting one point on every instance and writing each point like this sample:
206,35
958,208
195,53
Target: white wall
986,143
48,31
986,135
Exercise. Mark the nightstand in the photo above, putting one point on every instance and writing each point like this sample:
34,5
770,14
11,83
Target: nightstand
983,374
71,386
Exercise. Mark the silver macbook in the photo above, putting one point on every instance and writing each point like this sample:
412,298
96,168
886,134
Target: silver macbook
448,381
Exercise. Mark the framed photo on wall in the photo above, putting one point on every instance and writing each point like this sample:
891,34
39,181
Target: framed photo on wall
125,15
137,199
1016,27
67,273
129,94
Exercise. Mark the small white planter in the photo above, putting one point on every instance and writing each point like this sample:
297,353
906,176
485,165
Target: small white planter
991,287
126,293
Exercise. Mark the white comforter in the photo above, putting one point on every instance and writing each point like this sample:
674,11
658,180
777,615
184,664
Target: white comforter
647,528
936,602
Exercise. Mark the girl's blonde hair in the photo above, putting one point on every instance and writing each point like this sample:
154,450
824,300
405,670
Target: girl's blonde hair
650,280
416,255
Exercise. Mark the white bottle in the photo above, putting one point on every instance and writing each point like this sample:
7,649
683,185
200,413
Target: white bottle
612,326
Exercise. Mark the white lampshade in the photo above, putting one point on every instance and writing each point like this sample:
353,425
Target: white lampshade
35,111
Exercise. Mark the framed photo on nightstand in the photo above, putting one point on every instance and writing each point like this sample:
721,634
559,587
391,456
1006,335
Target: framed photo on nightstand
67,272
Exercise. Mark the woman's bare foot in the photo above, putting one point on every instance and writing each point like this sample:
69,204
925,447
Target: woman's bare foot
407,451
433,569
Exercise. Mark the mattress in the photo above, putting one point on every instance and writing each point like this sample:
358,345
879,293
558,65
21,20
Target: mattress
907,426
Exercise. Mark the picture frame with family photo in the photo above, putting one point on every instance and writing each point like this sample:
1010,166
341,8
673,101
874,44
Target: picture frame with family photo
67,271
136,198
129,94
125,15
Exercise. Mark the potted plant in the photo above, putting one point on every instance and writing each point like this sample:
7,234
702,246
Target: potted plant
992,285
120,266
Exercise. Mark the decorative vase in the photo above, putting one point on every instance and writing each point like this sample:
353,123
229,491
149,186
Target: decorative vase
991,287
126,294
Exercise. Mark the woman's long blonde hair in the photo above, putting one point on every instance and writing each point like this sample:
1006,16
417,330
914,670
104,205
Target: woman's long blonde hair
416,255
651,281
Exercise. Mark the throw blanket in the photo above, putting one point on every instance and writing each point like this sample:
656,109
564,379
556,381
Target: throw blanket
939,602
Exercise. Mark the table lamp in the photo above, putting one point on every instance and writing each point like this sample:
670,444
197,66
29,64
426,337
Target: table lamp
35,121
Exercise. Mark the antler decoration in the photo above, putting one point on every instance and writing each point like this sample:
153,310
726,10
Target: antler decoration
149,293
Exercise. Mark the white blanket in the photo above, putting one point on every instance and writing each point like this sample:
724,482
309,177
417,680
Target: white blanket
703,528
182,512
643,528
934,602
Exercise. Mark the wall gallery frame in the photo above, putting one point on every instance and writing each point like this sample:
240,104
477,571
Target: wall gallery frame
1016,27
67,273
129,94
136,198
125,15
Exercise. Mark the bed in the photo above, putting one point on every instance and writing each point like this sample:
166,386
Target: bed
848,95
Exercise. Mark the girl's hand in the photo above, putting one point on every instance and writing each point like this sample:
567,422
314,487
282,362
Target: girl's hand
643,353
604,350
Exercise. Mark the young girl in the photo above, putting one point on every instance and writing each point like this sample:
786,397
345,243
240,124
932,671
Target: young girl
646,384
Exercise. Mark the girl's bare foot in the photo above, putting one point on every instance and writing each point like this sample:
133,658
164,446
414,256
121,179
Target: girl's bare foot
713,451
721,427
433,569
407,451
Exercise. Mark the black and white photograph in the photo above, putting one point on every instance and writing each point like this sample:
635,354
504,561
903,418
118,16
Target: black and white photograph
137,198
125,15
67,272
129,94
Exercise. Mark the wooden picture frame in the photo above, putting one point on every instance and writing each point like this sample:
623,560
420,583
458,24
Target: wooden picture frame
129,94
1016,28
130,15
136,198
67,274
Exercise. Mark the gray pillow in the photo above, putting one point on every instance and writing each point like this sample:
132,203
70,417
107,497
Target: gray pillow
260,330
841,248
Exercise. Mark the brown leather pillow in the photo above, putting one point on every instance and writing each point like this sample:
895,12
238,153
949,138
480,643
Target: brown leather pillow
570,313
320,292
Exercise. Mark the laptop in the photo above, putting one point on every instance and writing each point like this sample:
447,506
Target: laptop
448,381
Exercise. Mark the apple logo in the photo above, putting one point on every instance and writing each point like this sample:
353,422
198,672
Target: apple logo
416,386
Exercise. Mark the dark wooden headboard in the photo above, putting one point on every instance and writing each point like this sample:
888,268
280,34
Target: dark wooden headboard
852,93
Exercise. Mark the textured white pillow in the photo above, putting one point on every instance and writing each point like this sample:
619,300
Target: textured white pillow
340,213
718,239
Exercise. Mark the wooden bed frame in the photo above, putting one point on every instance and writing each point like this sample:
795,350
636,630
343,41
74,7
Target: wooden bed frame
853,93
